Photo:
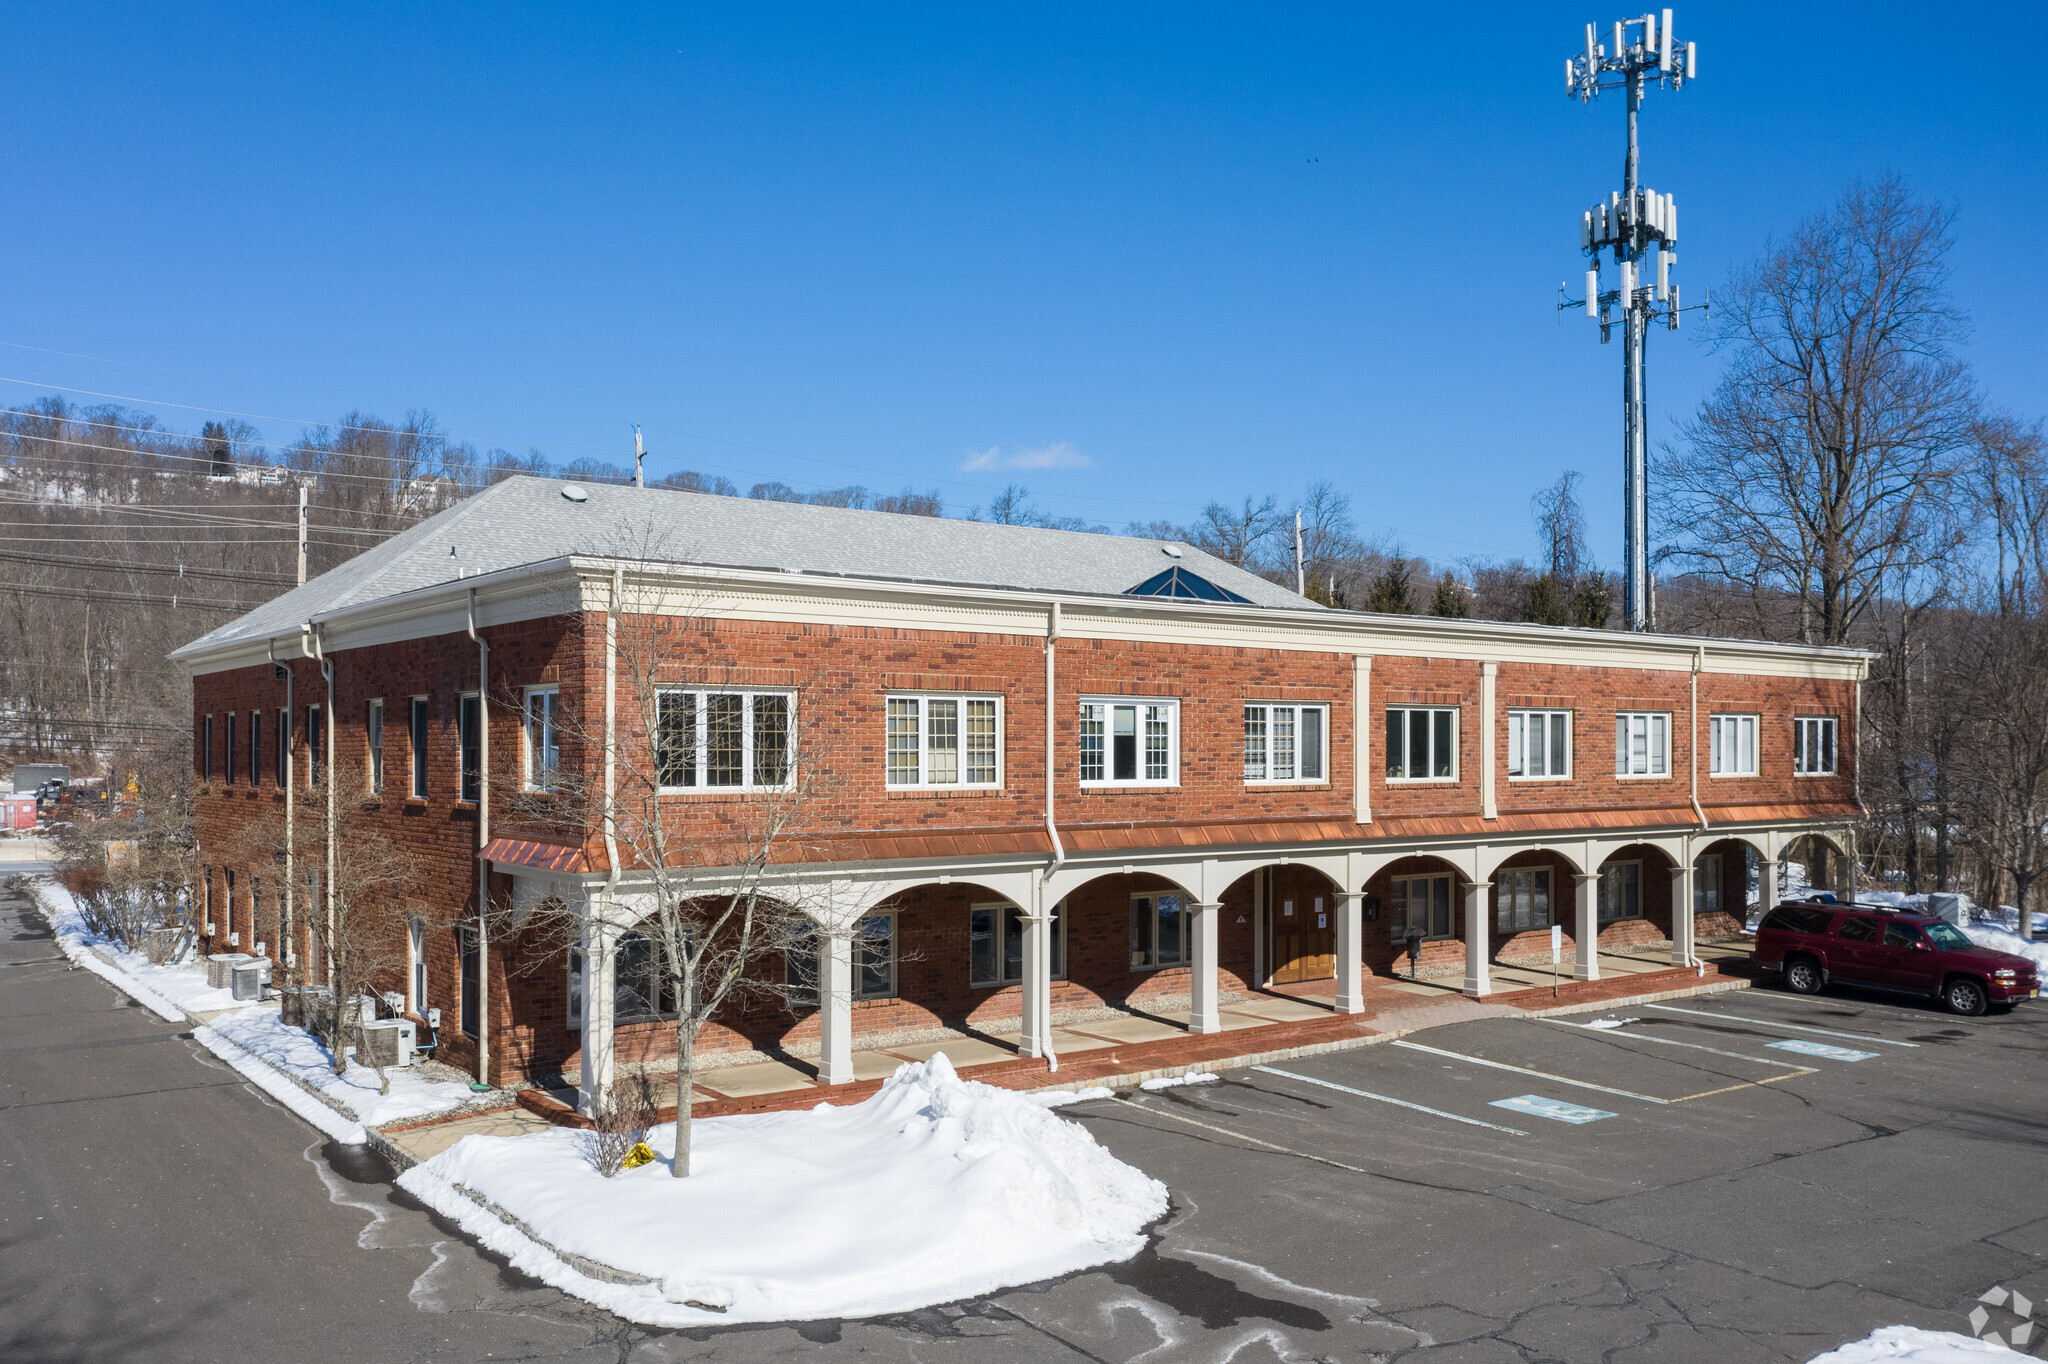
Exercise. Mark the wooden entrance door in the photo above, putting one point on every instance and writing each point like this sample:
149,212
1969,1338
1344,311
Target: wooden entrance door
1304,937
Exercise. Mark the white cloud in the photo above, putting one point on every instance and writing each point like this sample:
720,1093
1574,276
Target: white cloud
1058,455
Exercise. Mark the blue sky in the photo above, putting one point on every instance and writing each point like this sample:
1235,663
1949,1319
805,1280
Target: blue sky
1133,258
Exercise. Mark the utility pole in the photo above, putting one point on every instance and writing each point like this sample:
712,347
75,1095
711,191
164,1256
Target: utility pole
1632,223
639,459
1300,569
302,535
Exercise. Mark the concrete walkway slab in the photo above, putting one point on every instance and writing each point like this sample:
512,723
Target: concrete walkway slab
961,1051
762,1077
1131,1029
424,1143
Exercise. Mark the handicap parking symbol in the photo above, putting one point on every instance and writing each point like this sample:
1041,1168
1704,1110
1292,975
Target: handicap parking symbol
1555,1109
1822,1049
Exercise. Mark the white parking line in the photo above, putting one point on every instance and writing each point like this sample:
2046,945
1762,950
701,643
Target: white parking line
1665,1041
1767,1024
1539,1074
1386,1099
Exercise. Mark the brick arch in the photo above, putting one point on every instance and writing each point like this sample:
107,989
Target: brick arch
1652,924
1384,955
1726,901
1246,932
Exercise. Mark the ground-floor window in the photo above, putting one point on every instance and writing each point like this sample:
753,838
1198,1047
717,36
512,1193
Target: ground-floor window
1159,931
1621,891
1706,884
995,945
575,991
416,948
874,961
1421,905
643,987
1523,900
472,983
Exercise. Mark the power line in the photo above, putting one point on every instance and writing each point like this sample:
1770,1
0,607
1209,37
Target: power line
169,570
129,598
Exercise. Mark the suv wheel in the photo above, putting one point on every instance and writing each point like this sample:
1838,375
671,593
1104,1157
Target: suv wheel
1803,976
1964,996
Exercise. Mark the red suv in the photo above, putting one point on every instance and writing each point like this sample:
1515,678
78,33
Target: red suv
1814,943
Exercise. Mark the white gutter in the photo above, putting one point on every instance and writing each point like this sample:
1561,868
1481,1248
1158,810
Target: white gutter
483,840
1052,831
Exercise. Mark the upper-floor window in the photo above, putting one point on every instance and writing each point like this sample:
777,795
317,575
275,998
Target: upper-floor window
1642,743
1422,744
230,778
543,737
1539,743
373,731
1813,746
313,736
944,740
1285,743
255,748
1731,740
1130,743
723,739
419,748
206,750
469,729
284,748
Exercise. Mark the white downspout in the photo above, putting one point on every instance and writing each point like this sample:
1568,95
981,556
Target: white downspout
483,841
327,733
285,952
1059,852
1699,661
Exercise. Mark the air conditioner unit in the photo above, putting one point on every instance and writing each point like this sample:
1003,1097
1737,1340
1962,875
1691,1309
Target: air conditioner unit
220,966
389,1041
247,979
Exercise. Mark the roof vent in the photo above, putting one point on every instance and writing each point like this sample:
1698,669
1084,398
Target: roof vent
1172,551
575,492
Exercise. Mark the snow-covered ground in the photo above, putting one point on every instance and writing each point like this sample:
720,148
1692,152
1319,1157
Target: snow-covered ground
1913,1346
169,991
261,1032
933,1189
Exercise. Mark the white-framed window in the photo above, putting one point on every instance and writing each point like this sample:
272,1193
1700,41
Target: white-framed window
1522,899
469,741
1621,892
255,749
373,727
543,737
231,750
416,976
419,748
995,945
1731,741
314,737
284,748
575,991
1421,904
1130,741
1286,743
206,749
1813,746
1539,743
944,740
1422,743
1159,930
1706,884
642,986
1642,743
874,960
723,740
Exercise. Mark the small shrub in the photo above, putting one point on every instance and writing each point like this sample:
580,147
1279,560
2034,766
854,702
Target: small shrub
619,1124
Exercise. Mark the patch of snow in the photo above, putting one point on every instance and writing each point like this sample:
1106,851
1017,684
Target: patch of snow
1176,1081
931,1190
171,992
284,1091
1612,1022
1912,1344
1060,1098
260,1032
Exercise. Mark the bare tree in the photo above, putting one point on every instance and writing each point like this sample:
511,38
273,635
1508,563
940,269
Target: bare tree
1238,535
1821,464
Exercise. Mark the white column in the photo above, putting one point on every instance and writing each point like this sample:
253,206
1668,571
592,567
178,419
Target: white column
1350,954
1203,1015
1766,886
1587,932
1478,919
835,1006
1035,987
1681,915
599,1007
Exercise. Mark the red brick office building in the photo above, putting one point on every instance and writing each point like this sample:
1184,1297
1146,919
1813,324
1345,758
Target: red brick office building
1069,772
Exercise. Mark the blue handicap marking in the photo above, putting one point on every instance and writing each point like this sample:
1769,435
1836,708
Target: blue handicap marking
1555,1109
1822,1049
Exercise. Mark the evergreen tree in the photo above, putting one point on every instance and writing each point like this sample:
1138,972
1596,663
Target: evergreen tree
1389,593
1451,600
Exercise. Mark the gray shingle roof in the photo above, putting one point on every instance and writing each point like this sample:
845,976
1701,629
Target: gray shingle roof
527,520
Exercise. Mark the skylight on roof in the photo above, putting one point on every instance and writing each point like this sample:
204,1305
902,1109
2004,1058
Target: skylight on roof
1179,582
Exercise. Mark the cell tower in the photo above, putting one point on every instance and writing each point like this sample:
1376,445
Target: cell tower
1631,223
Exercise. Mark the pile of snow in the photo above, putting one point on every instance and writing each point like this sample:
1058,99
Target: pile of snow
1176,1081
1612,1022
260,1032
1910,1343
932,1190
1060,1098
171,992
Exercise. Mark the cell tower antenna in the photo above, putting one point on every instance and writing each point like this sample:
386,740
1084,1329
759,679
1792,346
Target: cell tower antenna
1634,225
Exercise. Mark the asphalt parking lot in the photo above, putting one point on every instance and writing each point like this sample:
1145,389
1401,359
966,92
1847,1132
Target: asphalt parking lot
1506,1189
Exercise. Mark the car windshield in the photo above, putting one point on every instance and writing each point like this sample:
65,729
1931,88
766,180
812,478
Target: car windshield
1947,935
